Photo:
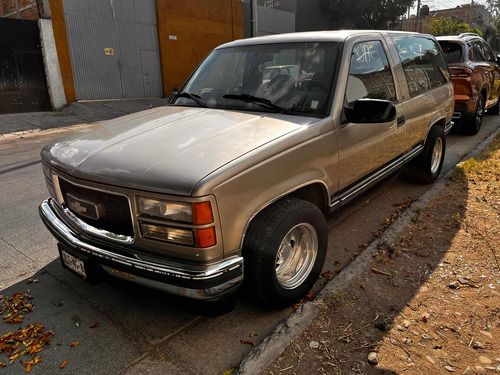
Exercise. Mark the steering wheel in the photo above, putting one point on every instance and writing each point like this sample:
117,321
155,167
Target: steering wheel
310,84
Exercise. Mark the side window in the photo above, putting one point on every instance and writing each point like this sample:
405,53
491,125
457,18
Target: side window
423,63
487,52
370,75
477,52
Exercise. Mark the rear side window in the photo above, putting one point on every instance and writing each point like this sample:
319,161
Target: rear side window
423,63
453,52
488,54
477,51
369,73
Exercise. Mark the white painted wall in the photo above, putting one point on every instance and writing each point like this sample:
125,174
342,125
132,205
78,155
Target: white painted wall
51,62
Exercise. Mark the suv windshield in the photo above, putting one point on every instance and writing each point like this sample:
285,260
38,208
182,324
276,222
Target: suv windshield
452,51
294,78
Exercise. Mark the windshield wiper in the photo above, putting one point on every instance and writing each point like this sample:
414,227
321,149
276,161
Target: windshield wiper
263,102
193,97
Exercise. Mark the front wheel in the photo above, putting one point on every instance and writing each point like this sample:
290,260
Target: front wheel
284,251
426,167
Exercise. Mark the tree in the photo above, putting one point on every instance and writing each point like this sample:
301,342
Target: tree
494,7
446,26
494,37
364,14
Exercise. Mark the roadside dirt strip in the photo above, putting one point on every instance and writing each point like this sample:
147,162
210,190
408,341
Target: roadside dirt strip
289,329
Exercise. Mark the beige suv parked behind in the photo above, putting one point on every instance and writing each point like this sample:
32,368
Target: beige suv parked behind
233,181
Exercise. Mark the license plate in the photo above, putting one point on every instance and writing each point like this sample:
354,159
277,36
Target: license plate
73,263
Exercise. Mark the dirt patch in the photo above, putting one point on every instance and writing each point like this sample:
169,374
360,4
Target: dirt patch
430,303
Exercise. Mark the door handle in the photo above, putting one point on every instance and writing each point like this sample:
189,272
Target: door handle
401,121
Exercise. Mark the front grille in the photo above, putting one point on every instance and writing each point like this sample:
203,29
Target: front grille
114,210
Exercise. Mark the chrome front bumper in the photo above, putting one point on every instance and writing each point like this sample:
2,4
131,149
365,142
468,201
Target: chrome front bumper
212,282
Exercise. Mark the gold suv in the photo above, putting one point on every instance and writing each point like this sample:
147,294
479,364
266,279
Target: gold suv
476,79
234,180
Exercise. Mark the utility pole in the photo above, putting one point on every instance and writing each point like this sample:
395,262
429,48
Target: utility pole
255,26
417,19
471,8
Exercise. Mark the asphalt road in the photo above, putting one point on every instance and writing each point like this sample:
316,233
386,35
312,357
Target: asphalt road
140,331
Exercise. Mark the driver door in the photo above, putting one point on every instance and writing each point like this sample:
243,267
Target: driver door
363,148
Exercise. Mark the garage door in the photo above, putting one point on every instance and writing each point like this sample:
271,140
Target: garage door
114,48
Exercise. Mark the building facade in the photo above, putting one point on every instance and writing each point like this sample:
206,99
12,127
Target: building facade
110,49
23,9
476,16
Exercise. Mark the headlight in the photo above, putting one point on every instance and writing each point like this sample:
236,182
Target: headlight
165,210
192,213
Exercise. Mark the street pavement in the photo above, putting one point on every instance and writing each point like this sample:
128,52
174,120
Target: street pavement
141,331
75,114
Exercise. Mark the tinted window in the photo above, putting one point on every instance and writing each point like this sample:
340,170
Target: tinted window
423,63
369,74
295,76
453,52
477,54
487,51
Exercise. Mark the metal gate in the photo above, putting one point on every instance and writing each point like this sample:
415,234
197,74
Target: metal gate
23,85
114,48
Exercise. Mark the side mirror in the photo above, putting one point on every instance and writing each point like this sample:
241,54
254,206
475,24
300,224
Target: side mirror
498,59
370,110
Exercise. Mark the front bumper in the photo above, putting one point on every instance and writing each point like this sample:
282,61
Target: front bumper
212,282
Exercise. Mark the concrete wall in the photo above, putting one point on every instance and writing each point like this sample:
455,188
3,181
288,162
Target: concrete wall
61,38
273,21
51,63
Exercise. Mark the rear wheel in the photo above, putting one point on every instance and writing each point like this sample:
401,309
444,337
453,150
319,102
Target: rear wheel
472,126
426,167
284,251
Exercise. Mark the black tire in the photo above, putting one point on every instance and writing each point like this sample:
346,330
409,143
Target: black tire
264,238
425,168
472,126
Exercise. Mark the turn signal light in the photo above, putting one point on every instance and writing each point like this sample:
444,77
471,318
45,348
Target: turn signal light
202,213
204,237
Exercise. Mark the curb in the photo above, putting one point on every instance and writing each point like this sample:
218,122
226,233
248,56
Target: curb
285,332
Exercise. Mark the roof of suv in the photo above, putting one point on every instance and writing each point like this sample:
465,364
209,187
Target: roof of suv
462,38
311,36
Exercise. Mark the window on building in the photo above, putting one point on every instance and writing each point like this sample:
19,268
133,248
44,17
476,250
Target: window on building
274,4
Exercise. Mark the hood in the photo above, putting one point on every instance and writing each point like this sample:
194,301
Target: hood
167,149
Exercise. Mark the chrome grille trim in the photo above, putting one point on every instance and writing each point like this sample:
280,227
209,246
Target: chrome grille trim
90,229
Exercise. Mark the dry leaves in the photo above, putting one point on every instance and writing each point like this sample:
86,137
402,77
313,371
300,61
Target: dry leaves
16,307
250,342
33,339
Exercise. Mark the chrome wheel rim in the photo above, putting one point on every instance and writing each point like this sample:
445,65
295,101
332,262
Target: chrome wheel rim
437,153
296,255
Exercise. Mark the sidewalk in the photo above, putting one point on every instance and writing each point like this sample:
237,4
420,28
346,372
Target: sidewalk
75,114
421,299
